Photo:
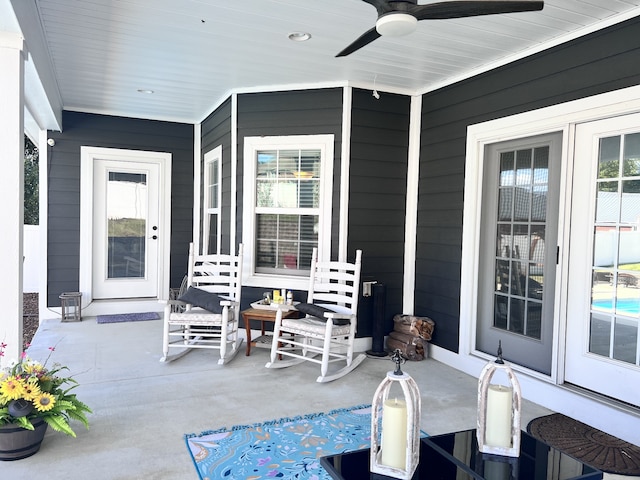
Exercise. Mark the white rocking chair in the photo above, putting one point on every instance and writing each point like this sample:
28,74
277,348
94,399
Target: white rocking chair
211,308
329,327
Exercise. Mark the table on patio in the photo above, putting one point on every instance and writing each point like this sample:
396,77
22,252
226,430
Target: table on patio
456,455
262,314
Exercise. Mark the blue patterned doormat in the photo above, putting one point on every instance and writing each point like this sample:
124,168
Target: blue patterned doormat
128,317
289,448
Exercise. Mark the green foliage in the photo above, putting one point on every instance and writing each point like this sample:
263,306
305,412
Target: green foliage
127,227
59,424
611,170
31,183
67,408
629,266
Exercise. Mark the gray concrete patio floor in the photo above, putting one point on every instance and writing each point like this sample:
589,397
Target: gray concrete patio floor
142,408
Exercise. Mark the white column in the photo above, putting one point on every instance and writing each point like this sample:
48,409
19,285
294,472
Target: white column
345,168
411,221
12,55
43,221
233,214
197,181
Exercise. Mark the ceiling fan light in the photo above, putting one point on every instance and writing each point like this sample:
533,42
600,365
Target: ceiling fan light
396,24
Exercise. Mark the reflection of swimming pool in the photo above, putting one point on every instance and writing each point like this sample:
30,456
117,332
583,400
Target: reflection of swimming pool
625,306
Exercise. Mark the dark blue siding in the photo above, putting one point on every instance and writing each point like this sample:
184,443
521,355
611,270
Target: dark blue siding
81,129
377,195
603,61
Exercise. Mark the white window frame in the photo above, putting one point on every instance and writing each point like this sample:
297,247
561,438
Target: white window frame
212,156
324,143
556,118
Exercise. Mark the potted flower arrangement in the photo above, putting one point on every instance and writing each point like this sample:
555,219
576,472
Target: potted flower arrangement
34,396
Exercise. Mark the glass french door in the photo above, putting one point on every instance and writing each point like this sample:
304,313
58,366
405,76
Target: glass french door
603,341
519,237
126,229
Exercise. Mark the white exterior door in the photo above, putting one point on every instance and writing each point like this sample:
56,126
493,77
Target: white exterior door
124,225
125,229
603,313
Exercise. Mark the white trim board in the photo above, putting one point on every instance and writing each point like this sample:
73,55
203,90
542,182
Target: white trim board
87,157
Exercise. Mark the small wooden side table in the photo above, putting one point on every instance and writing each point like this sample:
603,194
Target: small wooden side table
262,315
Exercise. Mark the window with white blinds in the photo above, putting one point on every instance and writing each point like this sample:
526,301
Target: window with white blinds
288,182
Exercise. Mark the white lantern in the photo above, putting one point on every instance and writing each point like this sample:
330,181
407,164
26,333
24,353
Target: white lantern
71,306
499,408
395,437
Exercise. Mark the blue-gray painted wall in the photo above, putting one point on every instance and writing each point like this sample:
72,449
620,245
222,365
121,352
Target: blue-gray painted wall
83,129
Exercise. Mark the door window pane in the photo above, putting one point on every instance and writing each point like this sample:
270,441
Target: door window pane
607,202
631,160
126,204
609,157
615,296
520,238
625,344
600,334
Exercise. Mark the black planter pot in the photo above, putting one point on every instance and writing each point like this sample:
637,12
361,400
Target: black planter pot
17,443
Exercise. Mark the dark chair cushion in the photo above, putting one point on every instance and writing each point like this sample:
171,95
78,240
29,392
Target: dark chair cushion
318,312
203,299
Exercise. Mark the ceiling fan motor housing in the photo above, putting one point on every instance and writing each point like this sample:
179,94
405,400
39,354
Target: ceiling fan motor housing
396,24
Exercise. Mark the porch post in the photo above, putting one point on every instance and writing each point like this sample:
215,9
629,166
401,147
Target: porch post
12,56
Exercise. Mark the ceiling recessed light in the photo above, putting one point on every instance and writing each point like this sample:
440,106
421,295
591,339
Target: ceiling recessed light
144,90
299,36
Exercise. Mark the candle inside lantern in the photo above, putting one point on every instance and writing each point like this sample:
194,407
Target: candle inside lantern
394,433
498,417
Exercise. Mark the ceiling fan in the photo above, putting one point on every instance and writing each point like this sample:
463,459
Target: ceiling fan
400,17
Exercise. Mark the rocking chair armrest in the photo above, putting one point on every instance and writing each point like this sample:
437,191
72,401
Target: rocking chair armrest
337,316
228,303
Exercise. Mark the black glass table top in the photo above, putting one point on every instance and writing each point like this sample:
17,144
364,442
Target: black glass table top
455,456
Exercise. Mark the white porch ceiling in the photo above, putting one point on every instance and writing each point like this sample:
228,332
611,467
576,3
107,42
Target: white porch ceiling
193,53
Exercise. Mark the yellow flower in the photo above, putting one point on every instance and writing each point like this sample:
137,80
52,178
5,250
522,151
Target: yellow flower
44,402
32,367
31,390
11,388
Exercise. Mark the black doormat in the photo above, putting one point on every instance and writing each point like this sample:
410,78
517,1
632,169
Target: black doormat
589,445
